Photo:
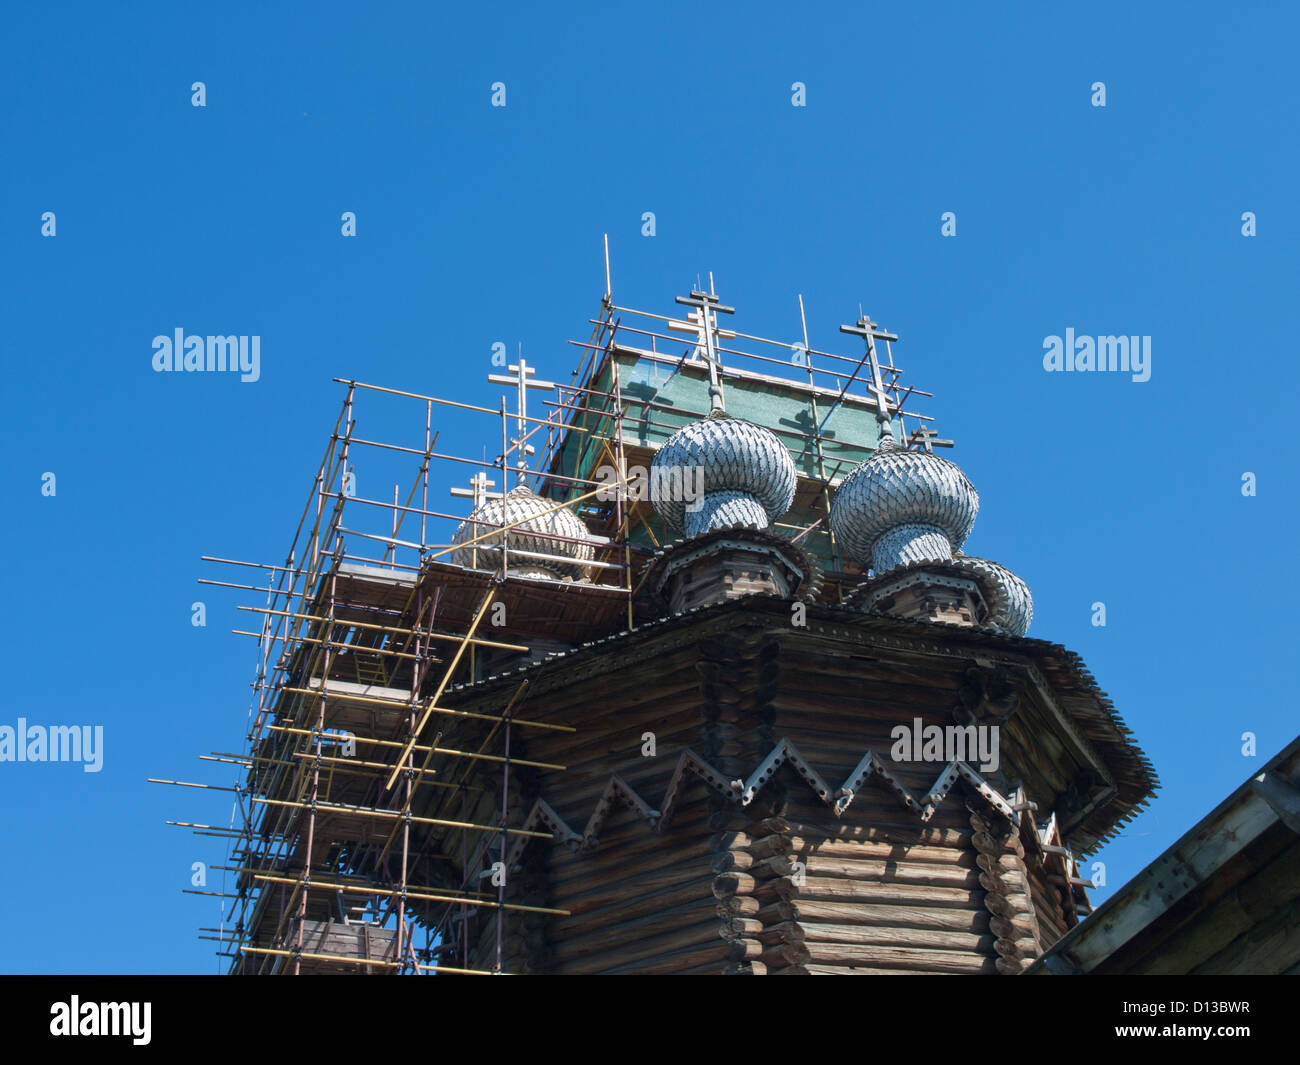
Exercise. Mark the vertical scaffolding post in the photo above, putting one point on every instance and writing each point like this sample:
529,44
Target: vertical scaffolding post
428,446
505,487
625,533
817,434
505,816
315,770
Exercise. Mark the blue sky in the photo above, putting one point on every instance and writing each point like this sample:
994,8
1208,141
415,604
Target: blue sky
477,224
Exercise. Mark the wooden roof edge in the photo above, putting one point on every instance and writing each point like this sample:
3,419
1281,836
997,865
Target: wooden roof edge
1268,796
1132,773
1063,671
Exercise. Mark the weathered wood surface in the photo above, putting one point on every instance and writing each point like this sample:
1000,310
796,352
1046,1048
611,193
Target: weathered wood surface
632,934
1248,925
897,916
916,959
876,889
654,954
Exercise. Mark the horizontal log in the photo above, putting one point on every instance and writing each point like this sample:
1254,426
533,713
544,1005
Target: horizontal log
958,854
880,690
1005,882
784,954
855,913
733,883
874,809
1009,845
632,839
691,959
887,870
657,947
741,905
833,888
900,704
782,932
883,935
612,893
727,860
633,903
579,878
1014,927
916,959
740,928
733,819
1001,864
612,936
768,846
624,694
1016,948
1006,906
712,968
895,828
739,840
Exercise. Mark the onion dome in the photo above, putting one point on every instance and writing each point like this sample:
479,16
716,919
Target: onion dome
744,472
1010,603
539,533
903,507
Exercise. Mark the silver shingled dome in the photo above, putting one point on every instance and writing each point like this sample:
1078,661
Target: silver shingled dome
899,507
537,533
748,475
1011,605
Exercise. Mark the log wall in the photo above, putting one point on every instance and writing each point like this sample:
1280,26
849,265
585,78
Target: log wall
781,886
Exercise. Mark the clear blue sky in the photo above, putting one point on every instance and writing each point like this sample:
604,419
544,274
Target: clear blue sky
478,224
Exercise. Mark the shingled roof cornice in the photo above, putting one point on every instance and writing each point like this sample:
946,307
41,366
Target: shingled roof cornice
1057,676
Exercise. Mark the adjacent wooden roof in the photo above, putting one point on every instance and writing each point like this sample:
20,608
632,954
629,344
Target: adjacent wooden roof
1224,899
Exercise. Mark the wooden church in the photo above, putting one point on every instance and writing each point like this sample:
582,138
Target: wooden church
730,800
761,717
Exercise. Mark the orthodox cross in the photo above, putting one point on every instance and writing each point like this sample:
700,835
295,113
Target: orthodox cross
870,332
477,490
929,439
522,372
707,309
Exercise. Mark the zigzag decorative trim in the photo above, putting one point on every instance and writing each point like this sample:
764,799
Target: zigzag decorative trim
697,765
744,792
542,814
783,752
616,789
